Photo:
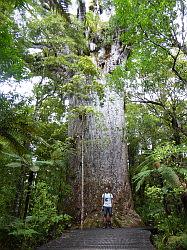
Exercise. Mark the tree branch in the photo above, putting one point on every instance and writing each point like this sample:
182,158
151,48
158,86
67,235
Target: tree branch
150,102
169,53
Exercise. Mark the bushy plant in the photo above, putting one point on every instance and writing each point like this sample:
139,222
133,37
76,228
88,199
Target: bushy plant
43,223
160,187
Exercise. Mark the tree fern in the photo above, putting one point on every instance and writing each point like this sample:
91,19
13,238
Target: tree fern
27,160
60,6
169,176
170,170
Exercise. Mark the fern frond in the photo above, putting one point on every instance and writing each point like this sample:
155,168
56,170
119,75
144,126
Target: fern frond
61,6
14,165
146,163
13,141
141,177
15,156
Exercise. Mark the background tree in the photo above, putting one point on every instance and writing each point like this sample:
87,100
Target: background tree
11,45
154,75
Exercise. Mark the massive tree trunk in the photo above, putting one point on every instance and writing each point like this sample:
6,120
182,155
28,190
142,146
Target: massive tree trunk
101,150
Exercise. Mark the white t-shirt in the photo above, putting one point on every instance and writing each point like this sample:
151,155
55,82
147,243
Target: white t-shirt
107,199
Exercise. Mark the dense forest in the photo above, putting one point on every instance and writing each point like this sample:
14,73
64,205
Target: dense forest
108,107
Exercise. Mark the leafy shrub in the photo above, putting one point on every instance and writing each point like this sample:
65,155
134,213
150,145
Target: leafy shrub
43,223
160,189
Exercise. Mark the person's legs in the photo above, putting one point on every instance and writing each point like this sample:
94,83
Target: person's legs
105,221
105,217
110,217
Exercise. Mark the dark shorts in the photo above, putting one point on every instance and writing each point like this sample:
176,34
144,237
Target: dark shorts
107,210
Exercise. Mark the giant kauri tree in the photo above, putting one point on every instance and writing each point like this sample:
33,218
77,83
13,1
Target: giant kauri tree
98,129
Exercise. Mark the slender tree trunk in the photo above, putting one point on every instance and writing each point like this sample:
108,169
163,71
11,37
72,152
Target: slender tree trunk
28,193
31,175
176,130
19,197
82,173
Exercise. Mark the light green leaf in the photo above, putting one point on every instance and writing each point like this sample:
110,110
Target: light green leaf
14,164
34,168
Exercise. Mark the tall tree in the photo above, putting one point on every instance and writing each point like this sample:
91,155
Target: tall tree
98,138
100,135
155,76
156,68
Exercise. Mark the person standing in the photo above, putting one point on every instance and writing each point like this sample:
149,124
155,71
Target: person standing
107,202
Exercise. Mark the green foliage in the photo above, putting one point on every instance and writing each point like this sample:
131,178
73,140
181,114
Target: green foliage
169,168
155,72
55,35
86,66
12,4
16,124
83,111
29,161
42,220
20,229
11,45
141,177
15,168
159,179
158,168
7,193
44,212
63,61
179,241
166,151
92,22
162,209
35,136
149,29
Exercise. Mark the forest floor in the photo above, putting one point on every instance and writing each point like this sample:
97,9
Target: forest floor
118,238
